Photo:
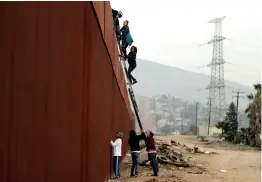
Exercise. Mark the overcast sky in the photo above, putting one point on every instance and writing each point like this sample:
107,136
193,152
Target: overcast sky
170,32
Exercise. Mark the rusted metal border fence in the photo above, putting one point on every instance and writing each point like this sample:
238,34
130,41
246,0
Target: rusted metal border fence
60,99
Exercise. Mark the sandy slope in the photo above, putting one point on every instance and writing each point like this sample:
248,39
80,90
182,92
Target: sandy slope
242,164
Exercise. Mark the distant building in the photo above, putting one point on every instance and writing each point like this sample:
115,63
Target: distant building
178,119
161,123
203,130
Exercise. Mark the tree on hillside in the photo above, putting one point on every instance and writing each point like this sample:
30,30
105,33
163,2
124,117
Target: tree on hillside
223,126
253,112
244,135
229,126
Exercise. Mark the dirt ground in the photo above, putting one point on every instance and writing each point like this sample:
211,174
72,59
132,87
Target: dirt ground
238,164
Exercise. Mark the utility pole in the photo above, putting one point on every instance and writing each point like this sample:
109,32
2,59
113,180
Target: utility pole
238,96
209,115
182,127
196,118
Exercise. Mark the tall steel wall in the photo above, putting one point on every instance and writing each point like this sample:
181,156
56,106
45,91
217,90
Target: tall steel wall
62,92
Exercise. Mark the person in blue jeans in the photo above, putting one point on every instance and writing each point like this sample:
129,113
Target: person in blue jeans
117,147
133,142
151,151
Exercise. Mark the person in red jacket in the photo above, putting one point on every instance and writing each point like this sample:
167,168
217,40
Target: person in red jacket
151,151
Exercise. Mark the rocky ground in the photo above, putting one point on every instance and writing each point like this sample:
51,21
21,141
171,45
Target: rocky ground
202,161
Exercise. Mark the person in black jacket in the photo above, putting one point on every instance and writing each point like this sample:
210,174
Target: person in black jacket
124,31
116,15
132,64
135,151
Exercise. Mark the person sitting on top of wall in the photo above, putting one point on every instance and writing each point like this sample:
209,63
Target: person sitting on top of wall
116,15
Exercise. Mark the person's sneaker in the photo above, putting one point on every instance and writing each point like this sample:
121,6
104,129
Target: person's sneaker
133,176
134,82
121,56
114,177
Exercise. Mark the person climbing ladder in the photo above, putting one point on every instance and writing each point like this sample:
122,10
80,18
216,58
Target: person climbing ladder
126,38
132,64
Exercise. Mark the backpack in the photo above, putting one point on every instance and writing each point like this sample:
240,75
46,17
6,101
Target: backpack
129,39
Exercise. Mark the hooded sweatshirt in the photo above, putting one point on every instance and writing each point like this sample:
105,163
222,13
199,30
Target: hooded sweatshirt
115,12
134,141
131,57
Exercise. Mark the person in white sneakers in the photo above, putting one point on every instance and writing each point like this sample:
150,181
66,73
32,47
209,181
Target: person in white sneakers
117,147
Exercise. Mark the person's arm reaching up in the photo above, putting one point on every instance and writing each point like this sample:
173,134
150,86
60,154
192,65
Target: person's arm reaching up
143,135
140,137
115,143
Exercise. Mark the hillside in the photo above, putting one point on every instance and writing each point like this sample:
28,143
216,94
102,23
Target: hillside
157,79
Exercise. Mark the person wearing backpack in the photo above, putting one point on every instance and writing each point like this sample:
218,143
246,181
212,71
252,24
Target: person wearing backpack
126,38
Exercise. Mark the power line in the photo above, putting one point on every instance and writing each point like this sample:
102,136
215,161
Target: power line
196,118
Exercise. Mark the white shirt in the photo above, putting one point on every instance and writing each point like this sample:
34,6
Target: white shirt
117,147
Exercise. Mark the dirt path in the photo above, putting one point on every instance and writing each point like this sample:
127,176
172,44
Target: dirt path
241,164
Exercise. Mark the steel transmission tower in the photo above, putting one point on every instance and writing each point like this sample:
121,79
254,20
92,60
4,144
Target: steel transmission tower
216,86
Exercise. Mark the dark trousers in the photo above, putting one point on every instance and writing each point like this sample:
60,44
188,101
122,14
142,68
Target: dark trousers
153,161
130,69
117,30
136,162
124,46
116,166
118,34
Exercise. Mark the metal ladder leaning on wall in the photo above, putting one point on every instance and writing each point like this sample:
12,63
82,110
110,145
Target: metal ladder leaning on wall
129,85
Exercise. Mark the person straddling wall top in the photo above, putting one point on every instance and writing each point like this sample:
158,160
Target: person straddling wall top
132,64
116,15
126,37
135,151
117,146
151,151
